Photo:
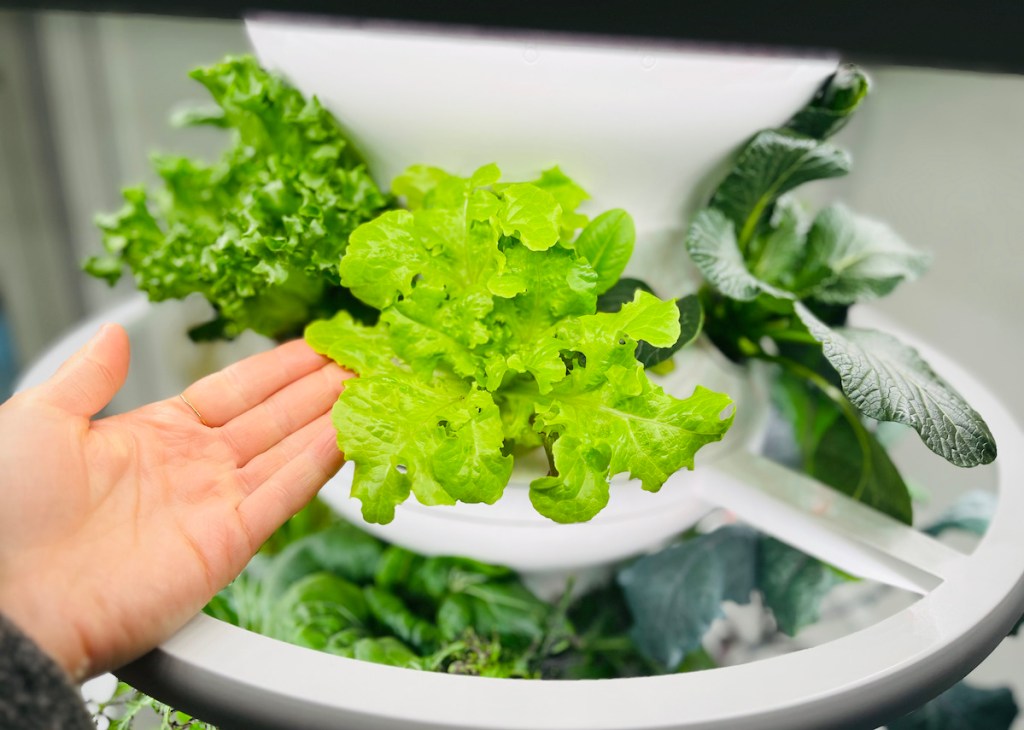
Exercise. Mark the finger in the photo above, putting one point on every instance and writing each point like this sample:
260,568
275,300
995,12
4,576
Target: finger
264,466
284,413
91,377
239,387
291,487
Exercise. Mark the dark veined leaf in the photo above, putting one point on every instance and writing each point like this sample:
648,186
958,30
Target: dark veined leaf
793,584
711,242
674,595
320,611
772,163
312,518
385,650
342,549
850,258
502,609
839,450
963,707
833,104
889,381
392,614
775,253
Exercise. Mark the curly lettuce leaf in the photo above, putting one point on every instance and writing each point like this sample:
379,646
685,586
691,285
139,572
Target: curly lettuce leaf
489,342
603,431
607,418
569,196
363,350
259,232
439,439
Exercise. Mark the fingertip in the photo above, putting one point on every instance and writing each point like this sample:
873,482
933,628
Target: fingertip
301,351
87,381
115,333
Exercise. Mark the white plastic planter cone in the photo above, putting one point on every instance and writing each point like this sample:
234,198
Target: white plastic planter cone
641,130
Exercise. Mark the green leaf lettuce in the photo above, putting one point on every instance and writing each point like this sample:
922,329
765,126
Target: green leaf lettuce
489,342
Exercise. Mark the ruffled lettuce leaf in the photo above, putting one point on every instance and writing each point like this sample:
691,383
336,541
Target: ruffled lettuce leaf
489,342
259,232
606,417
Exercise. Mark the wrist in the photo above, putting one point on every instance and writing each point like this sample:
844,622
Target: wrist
54,634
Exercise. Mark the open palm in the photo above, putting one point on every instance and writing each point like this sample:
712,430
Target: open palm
114,531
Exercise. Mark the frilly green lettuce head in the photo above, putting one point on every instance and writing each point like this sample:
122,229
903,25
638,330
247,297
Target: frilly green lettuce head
489,342
261,231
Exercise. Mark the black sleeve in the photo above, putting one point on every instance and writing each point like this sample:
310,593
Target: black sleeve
35,693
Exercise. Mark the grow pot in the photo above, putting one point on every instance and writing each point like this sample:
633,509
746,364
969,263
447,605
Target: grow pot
644,130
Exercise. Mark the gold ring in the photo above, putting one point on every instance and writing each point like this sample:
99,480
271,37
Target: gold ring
194,409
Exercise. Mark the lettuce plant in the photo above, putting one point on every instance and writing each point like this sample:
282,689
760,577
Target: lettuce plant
490,342
260,232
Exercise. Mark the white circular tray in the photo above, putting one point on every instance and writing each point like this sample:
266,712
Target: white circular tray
238,679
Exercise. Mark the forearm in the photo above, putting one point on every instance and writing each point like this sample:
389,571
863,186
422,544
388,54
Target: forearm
35,693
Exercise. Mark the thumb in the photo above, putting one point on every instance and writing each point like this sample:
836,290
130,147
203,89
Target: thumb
91,377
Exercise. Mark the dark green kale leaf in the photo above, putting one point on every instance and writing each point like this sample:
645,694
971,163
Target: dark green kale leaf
970,513
775,283
889,381
772,163
833,104
793,584
674,595
849,259
963,707
838,449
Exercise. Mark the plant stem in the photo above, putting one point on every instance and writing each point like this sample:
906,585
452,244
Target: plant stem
849,411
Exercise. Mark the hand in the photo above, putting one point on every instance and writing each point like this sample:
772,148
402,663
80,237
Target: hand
114,532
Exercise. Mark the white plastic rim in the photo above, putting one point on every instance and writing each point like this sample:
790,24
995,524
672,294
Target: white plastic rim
238,679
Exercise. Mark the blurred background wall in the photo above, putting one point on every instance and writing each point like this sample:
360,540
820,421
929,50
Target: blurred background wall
84,99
